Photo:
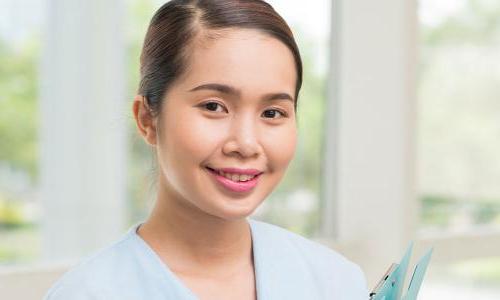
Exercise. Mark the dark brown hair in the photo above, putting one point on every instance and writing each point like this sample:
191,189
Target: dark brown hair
175,25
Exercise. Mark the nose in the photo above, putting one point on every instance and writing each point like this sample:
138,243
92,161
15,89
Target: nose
243,139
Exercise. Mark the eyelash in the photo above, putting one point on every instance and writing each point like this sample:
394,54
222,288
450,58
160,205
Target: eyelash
283,114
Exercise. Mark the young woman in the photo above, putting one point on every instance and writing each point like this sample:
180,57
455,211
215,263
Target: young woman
217,101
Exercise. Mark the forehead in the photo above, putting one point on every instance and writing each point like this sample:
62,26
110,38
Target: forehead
245,58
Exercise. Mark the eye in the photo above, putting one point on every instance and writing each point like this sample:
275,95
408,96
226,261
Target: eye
272,113
213,106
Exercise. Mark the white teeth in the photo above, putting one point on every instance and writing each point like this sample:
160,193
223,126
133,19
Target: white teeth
236,177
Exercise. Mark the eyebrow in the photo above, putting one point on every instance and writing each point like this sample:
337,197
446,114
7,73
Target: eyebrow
230,90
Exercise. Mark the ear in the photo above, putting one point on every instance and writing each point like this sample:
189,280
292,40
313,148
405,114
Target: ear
146,123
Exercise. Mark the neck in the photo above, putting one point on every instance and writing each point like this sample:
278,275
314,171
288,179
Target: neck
189,238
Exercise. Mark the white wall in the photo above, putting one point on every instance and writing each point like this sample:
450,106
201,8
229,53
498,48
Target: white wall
371,153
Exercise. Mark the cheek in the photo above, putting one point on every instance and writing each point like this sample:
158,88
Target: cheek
191,138
280,144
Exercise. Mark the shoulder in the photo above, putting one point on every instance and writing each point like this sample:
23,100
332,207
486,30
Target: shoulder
312,250
328,267
279,235
96,274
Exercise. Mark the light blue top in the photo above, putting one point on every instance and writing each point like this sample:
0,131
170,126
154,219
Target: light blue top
287,266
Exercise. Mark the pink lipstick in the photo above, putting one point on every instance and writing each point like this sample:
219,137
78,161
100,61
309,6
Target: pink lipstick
236,186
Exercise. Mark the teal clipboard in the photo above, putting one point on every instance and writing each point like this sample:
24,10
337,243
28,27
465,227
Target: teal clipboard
390,287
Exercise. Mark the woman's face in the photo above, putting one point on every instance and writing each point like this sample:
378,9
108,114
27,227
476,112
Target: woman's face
233,108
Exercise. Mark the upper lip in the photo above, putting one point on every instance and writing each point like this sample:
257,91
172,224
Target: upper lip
238,171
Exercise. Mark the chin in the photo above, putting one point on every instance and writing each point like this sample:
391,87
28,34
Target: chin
234,212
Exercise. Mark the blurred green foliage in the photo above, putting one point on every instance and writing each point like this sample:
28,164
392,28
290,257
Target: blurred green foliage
10,214
438,211
19,245
482,271
478,23
18,105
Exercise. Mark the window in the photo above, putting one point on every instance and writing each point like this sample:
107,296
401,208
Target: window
458,145
459,108
20,38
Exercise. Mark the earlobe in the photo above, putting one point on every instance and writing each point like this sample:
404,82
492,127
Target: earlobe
146,123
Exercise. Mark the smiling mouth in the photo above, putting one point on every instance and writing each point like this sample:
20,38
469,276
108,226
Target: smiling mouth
236,174
239,183
233,176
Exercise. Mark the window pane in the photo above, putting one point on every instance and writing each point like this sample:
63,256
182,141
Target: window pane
468,279
459,130
459,117
20,23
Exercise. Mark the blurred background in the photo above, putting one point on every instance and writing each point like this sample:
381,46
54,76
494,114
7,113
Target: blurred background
399,136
